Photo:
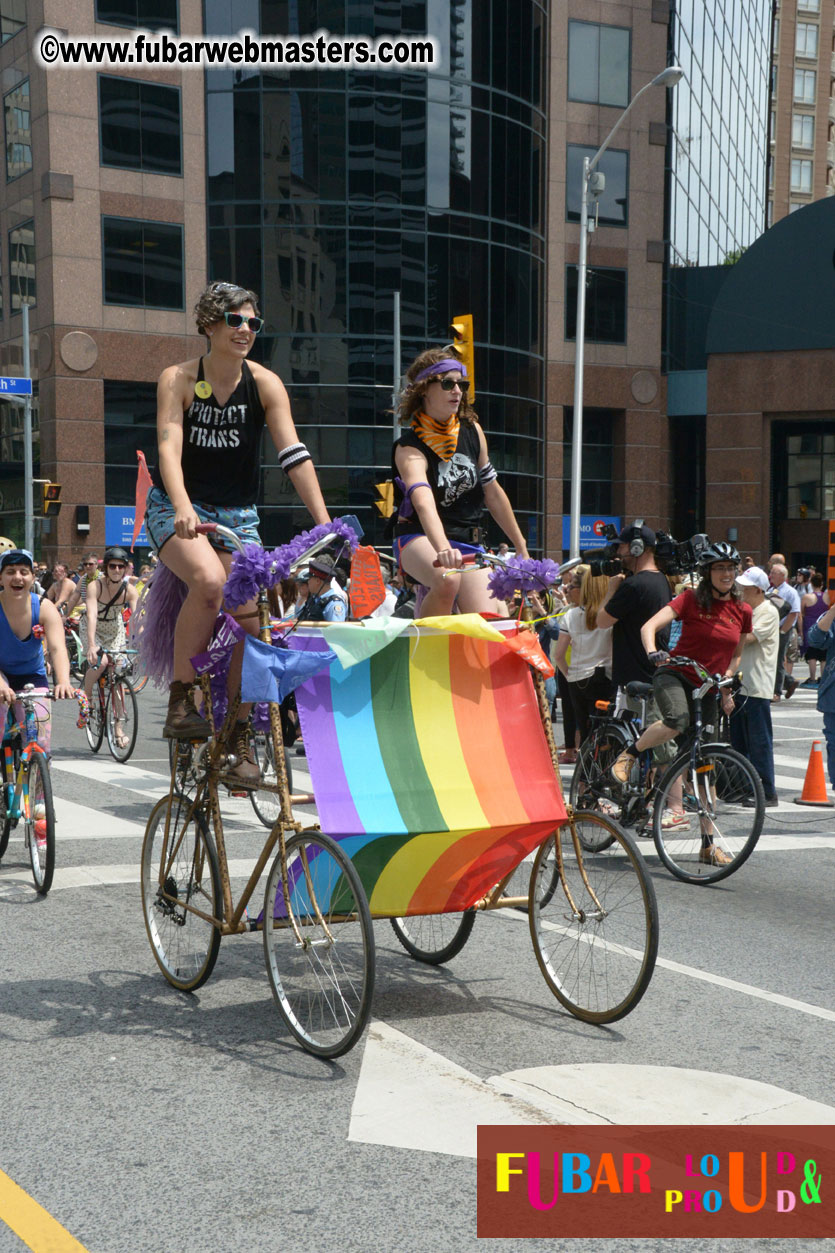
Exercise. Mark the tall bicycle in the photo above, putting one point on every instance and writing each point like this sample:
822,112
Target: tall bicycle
592,911
710,797
27,789
113,709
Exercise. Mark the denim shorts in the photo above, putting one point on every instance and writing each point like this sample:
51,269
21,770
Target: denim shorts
159,521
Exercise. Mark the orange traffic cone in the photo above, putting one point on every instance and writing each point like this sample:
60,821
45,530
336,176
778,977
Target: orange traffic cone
814,785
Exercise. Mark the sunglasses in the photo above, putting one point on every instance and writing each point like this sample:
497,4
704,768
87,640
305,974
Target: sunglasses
116,565
91,564
449,384
236,320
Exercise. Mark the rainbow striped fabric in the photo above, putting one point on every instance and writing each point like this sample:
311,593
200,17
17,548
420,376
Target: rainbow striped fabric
431,768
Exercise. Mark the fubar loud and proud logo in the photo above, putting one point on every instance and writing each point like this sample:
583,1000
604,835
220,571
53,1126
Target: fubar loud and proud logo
679,1182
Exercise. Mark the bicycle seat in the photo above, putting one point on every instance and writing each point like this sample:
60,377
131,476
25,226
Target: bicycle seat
638,691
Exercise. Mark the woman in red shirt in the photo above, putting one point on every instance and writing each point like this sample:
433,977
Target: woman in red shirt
715,625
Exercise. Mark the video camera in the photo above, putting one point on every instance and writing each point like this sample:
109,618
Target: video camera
672,557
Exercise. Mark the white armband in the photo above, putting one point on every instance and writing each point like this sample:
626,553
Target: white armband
293,455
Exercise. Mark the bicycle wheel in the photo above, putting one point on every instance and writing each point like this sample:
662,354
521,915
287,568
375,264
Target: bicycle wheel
592,786
434,938
39,822
185,943
597,957
8,783
722,809
96,719
122,720
187,755
323,978
267,805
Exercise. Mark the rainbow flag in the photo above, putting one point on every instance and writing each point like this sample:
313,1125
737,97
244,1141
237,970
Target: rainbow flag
431,768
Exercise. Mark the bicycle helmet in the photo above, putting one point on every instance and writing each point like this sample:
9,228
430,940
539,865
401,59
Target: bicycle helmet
721,551
116,554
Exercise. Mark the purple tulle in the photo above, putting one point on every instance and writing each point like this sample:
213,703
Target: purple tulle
255,567
523,574
152,625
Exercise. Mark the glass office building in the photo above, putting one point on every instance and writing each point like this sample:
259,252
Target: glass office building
329,192
719,128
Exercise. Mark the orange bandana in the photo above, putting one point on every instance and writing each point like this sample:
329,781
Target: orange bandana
441,437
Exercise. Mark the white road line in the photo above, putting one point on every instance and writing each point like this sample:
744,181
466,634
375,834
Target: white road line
704,976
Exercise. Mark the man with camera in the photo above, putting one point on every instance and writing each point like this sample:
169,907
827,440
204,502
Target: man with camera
635,595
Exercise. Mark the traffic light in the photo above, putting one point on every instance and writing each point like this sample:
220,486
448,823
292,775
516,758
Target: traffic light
51,499
386,502
462,329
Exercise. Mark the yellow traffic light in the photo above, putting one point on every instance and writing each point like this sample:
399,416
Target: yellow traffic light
51,499
386,502
462,329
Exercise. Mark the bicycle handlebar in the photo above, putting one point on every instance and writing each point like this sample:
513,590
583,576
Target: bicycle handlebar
216,528
718,680
29,694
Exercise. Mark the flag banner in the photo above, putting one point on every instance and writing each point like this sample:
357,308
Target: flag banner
430,766
270,674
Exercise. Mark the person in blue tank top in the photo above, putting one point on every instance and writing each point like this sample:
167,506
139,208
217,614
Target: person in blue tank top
24,621
211,414
443,480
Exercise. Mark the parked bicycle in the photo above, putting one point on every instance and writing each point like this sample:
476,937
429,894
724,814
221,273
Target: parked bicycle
27,787
709,797
113,708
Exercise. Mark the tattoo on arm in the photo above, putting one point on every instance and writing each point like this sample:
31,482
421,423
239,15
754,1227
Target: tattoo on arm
164,436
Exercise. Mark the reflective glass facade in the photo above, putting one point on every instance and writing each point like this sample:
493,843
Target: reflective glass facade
719,135
328,192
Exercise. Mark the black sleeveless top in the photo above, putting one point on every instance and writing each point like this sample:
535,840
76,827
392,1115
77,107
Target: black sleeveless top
455,484
222,445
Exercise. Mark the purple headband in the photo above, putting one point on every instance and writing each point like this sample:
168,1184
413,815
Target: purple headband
442,367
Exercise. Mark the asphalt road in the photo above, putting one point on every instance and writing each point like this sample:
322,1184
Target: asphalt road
141,1118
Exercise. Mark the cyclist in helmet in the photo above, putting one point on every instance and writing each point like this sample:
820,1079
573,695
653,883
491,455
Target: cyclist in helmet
715,625
107,598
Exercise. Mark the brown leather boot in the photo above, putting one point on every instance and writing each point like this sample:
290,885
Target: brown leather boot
183,722
246,774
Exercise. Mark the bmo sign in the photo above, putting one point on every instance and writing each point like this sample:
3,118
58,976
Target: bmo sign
591,530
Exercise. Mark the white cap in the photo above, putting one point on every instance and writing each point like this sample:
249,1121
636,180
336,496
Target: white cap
754,577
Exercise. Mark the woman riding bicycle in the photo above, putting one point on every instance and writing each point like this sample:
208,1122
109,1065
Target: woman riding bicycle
211,413
24,619
442,481
715,624
107,598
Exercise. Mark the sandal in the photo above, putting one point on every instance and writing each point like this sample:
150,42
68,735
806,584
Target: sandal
670,819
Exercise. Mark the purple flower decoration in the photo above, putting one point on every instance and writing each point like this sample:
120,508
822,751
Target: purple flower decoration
523,574
256,567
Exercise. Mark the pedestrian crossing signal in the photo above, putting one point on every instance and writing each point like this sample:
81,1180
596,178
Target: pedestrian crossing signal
386,502
51,499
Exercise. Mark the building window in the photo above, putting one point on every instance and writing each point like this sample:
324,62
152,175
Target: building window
810,475
795,205
803,130
22,266
811,6
769,214
139,125
598,63
806,40
596,490
16,119
612,205
149,14
801,176
143,263
605,305
804,86
12,18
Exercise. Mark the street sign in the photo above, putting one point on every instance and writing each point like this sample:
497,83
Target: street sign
15,386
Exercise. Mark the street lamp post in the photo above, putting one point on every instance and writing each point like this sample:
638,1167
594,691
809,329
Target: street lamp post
667,78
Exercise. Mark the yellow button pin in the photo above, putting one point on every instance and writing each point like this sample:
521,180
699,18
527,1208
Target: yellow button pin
203,389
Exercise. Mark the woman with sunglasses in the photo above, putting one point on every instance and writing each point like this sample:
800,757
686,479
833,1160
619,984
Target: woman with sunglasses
442,481
211,413
107,597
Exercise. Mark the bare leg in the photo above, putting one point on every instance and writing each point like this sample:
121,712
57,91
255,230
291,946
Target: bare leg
474,595
416,559
200,568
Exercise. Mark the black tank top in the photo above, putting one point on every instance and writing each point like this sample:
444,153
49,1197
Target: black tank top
455,484
222,445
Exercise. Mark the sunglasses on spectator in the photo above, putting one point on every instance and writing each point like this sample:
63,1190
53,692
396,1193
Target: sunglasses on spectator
90,563
236,320
449,385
